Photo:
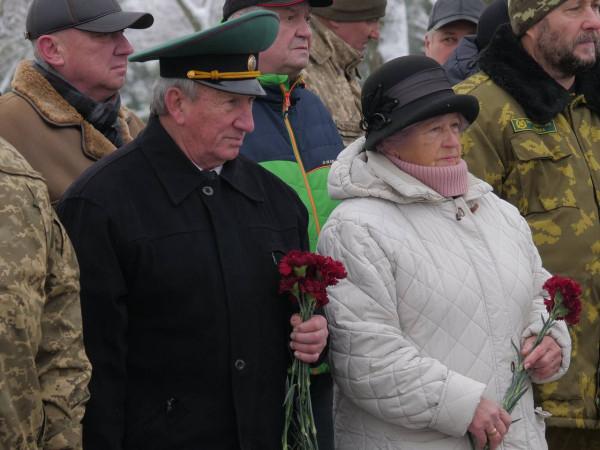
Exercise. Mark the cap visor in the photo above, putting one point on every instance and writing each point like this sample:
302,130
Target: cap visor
244,87
118,21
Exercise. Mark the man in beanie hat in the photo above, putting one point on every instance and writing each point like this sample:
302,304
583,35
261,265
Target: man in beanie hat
341,33
178,238
449,22
536,141
64,111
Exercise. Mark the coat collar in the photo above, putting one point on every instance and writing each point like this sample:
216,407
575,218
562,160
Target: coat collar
508,65
39,93
179,176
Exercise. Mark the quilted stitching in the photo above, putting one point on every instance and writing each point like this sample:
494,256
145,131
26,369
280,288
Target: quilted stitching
413,346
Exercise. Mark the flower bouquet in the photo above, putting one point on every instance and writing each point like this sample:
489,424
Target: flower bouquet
306,277
563,304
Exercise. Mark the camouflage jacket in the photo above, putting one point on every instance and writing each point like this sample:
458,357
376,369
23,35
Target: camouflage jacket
43,367
538,145
332,75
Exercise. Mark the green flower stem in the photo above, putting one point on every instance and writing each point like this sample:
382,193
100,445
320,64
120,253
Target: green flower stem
518,385
299,430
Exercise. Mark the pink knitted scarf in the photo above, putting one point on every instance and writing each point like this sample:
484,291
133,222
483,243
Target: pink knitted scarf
449,181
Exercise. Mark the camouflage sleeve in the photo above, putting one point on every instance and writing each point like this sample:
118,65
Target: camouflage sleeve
63,368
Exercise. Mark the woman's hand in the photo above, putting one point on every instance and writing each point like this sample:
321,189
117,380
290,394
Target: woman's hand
490,422
545,359
308,339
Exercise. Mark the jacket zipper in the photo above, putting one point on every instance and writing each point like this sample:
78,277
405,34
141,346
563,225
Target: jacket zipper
286,106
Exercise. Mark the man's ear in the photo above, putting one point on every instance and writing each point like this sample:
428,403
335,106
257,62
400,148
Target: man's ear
174,101
427,44
50,49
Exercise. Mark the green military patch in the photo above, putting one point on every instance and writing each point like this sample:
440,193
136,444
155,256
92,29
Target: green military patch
527,125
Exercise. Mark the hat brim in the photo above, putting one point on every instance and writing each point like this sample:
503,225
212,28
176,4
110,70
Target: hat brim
118,21
446,21
436,104
244,87
315,3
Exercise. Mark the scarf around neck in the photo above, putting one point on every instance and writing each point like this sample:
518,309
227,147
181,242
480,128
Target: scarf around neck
450,181
104,116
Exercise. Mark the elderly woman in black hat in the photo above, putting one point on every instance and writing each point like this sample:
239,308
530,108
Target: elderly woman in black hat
442,277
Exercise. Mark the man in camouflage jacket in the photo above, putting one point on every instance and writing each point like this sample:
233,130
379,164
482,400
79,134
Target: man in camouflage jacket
44,371
341,33
537,142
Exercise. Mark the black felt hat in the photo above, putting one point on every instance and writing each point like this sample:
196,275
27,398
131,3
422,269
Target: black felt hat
223,57
407,90
232,6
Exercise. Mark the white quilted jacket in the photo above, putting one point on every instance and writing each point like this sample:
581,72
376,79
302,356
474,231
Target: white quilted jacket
422,327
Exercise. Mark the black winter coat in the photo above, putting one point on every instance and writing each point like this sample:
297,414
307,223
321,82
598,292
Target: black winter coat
183,322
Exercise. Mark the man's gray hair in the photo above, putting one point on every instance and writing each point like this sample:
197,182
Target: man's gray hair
36,53
157,105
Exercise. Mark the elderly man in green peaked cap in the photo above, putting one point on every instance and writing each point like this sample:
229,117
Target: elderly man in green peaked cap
178,238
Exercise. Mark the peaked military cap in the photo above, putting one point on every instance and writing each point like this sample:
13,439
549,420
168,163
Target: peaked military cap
224,57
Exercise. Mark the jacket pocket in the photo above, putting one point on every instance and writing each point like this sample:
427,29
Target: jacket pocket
154,429
544,172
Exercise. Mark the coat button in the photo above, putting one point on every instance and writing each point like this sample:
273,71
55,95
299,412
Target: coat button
240,364
207,190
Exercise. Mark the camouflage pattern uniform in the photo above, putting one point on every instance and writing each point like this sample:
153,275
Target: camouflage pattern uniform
43,367
332,75
538,145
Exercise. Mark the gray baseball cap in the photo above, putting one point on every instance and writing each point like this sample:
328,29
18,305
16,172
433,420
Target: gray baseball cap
446,11
99,16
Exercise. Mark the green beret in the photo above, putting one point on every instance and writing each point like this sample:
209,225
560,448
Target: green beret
223,57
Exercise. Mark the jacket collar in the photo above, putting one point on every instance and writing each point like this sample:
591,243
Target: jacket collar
508,65
327,46
179,176
52,107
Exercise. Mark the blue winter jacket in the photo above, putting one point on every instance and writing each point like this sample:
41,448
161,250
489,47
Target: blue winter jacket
295,138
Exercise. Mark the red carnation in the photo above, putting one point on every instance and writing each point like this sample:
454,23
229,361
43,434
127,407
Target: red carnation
564,303
305,276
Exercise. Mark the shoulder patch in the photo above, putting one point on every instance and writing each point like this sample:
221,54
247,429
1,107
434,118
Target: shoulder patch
527,125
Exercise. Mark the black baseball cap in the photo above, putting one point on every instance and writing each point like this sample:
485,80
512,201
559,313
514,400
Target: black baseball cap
99,16
232,6
447,11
